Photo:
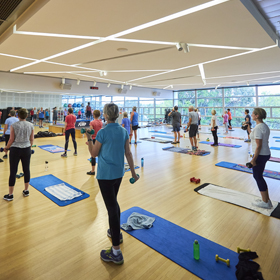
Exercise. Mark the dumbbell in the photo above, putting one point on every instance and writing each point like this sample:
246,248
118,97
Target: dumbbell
132,180
249,164
2,150
83,130
217,258
242,250
193,179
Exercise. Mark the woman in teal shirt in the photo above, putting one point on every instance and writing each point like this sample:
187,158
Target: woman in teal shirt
112,142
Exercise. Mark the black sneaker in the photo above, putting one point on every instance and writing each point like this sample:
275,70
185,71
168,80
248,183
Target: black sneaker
64,155
9,197
25,193
110,236
5,156
90,173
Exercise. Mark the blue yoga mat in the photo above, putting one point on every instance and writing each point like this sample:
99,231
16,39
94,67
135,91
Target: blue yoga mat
240,167
277,140
275,148
163,136
221,144
52,149
276,137
176,243
155,131
40,183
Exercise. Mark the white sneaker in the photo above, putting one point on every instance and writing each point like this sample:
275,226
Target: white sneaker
260,203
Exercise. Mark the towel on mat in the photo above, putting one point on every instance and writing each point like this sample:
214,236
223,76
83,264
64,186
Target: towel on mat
62,192
138,221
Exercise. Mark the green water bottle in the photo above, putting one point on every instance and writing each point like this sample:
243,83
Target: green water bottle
196,250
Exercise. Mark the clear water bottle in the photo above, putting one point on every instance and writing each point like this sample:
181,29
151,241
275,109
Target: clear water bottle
196,250
142,162
46,165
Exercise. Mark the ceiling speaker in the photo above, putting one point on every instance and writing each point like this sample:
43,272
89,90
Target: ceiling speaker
154,93
122,91
66,86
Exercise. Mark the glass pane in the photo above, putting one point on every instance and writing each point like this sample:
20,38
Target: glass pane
269,90
186,94
158,111
240,101
131,101
87,99
175,95
147,103
164,103
118,98
240,91
275,112
269,101
273,123
106,99
210,102
209,93
186,102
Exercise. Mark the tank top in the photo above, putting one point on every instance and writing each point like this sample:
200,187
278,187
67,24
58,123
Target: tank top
23,130
135,119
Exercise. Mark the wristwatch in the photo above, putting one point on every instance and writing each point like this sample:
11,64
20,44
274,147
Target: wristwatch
90,140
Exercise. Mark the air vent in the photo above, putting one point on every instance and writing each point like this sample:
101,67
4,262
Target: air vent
66,86
6,8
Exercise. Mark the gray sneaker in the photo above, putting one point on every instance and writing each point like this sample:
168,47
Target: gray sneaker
260,203
108,256
75,154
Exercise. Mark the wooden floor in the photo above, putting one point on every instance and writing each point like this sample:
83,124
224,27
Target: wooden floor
40,240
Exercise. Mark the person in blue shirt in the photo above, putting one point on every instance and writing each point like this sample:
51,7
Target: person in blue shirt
248,123
134,122
110,146
41,117
127,124
47,115
7,129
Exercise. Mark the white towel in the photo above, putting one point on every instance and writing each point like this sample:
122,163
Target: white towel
62,192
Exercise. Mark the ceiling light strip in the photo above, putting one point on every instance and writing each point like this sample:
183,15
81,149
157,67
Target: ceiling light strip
131,30
99,78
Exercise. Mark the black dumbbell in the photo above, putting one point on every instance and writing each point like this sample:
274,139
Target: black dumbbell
249,164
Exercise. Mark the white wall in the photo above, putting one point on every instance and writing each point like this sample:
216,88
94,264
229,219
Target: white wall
49,85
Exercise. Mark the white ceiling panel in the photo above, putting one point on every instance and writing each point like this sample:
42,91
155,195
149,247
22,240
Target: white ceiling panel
7,63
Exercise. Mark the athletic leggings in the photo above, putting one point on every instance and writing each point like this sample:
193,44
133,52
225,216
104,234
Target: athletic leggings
93,160
67,134
214,133
17,154
258,172
109,190
229,123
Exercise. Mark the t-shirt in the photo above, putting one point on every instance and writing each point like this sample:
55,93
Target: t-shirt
214,118
261,131
65,113
96,125
199,115
31,113
225,118
70,120
47,113
126,122
229,115
79,113
9,122
176,118
111,155
194,116
248,117
55,113
88,108
23,130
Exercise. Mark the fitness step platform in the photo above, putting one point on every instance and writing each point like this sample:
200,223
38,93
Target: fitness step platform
238,198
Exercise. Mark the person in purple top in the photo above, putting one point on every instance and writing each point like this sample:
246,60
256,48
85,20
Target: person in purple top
126,123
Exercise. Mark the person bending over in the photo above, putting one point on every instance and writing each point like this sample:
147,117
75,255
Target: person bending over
96,124
134,122
193,127
20,142
69,128
110,146
248,123
176,123
214,127
260,148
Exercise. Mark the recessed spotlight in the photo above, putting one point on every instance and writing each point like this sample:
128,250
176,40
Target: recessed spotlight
94,83
108,85
130,88
78,81
121,86
122,50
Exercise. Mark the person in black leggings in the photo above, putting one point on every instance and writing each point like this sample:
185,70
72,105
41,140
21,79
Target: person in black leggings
70,121
214,127
20,142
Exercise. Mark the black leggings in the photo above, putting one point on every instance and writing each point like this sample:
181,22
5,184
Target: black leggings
229,123
17,154
109,190
93,160
67,134
258,172
214,133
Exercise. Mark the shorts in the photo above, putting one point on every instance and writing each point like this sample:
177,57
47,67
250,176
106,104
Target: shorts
193,130
135,127
88,114
54,118
47,118
7,138
176,127
41,119
199,122
34,117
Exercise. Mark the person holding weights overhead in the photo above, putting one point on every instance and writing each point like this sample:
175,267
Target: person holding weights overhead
112,143
20,142
260,148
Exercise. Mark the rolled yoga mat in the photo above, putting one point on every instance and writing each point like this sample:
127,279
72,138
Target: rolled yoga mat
176,243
